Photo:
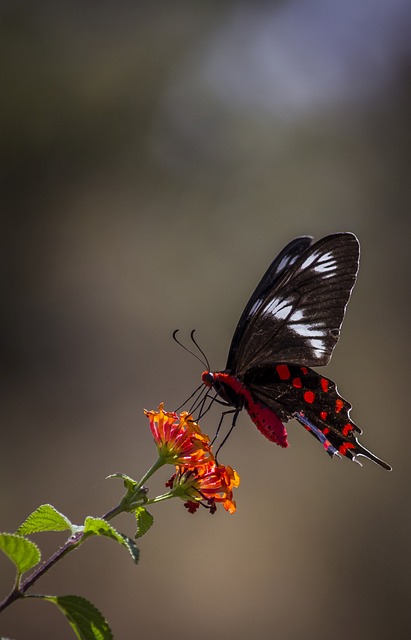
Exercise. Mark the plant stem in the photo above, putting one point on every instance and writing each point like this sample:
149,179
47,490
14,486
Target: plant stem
113,512
160,462
71,544
75,540
19,591
165,496
13,595
131,495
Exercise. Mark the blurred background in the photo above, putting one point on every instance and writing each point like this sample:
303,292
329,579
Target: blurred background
155,158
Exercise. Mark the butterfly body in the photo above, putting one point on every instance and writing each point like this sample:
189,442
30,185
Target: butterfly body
236,394
291,323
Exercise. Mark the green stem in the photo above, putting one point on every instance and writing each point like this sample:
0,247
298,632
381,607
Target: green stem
113,512
127,501
165,496
156,466
75,540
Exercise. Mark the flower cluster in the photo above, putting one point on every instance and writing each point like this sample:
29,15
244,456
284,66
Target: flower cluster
199,478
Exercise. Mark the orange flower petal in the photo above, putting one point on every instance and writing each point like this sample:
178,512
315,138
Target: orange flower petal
179,440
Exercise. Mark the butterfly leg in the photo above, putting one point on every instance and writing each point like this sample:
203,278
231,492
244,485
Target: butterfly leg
235,413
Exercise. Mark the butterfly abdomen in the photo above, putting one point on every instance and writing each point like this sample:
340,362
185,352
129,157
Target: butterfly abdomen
266,421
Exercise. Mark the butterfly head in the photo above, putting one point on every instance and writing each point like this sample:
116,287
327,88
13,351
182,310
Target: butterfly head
208,378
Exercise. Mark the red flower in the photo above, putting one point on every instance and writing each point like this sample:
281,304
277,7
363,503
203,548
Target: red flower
179,439
207,484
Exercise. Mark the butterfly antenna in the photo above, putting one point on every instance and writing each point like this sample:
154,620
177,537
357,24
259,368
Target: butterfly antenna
200,349
203,362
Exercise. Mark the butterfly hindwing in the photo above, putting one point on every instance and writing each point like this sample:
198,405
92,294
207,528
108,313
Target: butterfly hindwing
298,319
293,391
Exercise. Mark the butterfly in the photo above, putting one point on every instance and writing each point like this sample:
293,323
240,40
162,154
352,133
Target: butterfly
291,323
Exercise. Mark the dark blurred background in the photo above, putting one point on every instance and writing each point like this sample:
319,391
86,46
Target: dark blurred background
155,158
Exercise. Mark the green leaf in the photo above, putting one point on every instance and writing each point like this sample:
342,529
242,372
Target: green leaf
144,521
129,483
45,518
87,621
132,548
100,527
22,552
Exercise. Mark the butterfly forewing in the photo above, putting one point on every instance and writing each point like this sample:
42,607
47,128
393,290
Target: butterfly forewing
282,263
298,319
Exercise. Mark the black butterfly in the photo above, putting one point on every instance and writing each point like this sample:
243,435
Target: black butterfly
291,323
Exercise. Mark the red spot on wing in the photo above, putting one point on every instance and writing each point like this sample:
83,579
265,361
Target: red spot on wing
323,415
283,371
325,430
304,370
297,383
324,384
309,396
338,405
344,447
347,428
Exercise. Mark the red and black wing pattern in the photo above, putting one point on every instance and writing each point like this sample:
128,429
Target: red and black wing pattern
293,391
292,322
298,319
